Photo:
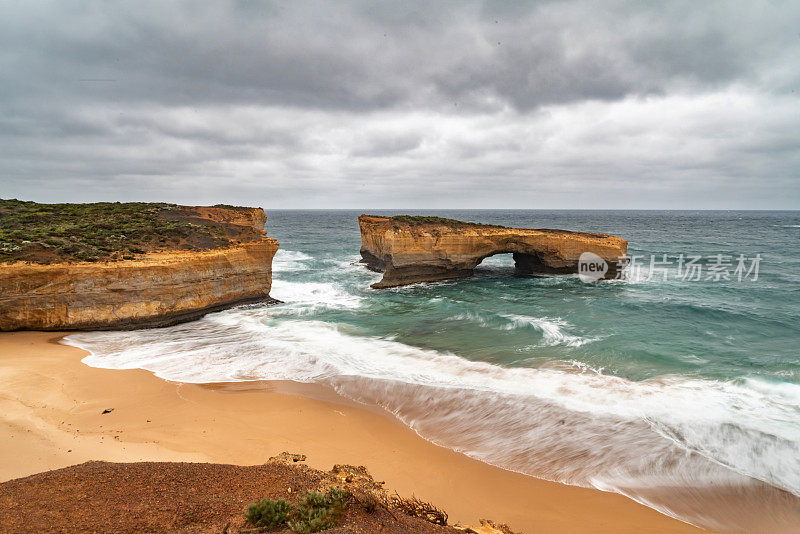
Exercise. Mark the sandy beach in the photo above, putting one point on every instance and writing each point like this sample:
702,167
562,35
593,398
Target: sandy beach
52,416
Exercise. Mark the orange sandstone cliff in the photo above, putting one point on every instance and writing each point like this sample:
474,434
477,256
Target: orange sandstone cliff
425,249
157,288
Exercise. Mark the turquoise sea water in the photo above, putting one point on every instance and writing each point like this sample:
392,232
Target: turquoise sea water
673,392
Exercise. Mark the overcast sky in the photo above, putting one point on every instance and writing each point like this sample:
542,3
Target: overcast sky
403,104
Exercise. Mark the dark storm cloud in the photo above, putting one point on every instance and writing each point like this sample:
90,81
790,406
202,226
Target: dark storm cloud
377,102
380,54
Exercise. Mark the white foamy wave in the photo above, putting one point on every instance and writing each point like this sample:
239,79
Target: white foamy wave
309,296
553,330
750,426
472,317
290,260
346,264
306,297
635,274
582,367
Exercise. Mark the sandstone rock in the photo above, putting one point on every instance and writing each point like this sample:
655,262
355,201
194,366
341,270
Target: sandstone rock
287,458
487,526
253,217
352,474
409,252
157,289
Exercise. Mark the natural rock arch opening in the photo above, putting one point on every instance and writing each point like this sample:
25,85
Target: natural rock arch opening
427,249
511,263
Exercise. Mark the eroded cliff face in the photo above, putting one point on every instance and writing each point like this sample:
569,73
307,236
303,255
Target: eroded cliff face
156,289
409,252
252,217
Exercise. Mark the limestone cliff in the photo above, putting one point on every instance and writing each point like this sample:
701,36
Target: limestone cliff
157,288
252,217
426,249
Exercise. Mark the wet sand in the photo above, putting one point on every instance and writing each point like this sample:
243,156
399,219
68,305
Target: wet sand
51,416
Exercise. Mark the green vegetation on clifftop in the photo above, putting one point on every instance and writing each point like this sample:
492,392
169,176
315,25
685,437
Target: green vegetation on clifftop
418,220
107,231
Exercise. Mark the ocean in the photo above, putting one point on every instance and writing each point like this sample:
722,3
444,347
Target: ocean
679,388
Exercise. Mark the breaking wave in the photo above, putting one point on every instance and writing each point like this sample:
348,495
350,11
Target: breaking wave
507,416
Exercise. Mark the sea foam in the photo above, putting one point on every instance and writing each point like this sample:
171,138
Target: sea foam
747,425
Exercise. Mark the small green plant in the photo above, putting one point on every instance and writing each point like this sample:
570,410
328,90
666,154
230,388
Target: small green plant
313,520
314,511
319,511
269,513
338,498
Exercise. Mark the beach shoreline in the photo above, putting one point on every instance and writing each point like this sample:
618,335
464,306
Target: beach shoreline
52,417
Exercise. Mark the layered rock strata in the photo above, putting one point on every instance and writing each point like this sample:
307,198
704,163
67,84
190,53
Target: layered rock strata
426,249
158,288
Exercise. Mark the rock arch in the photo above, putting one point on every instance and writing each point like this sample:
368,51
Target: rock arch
426,249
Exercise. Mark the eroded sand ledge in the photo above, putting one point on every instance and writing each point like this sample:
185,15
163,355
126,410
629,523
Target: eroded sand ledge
410,250
156,289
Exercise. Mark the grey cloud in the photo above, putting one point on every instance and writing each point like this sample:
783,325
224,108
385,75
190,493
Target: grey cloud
378,55
387,144
383,103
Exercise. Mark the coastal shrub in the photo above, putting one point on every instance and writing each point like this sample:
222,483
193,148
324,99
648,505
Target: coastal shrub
269,513
314,511
414,220
230,207
337,498
98,230
319,511
313,520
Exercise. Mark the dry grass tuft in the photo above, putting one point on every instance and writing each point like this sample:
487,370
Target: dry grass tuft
420,509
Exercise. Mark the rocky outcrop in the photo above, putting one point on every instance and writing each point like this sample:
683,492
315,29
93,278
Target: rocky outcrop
252,217
426,249
156,289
